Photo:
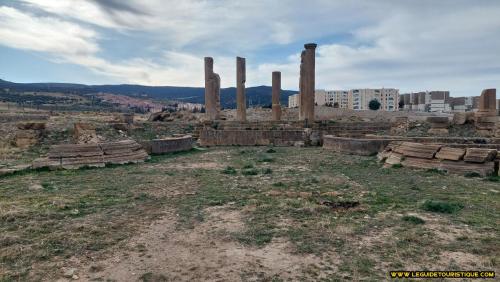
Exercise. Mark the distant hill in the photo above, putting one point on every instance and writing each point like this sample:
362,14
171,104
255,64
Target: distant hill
259,95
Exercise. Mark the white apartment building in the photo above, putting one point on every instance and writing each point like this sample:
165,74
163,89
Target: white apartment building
359,99
334,98
293,101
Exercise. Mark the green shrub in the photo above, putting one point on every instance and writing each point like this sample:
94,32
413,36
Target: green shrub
270,151
413,219
251,171
397,166
442,207
267,171
229,170
247,166
493,178
472,174
266,159
437,171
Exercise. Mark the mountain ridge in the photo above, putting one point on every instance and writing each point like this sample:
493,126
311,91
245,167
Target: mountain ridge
257,95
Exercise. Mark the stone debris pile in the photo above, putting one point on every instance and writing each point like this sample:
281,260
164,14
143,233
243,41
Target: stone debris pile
479,161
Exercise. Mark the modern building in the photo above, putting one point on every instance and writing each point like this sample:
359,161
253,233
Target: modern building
434,101
440,101
332,98
293,101
359,99
462,104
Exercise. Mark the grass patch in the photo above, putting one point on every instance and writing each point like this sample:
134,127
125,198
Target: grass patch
230,170
267,171
251,171
493,178
413,219
270,151
472,174
442,207
436,171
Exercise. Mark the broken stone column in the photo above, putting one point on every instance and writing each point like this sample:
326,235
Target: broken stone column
487,103
212,90
241,104
276,89
486,115
307,82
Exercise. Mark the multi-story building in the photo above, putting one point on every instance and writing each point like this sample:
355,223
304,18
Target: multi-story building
333,98
462,104
434,101
293,101
440,101
359,99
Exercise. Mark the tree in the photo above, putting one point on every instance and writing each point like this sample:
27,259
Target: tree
374,105
401,104
336,105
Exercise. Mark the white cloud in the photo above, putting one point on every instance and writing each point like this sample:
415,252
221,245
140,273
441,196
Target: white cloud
404,44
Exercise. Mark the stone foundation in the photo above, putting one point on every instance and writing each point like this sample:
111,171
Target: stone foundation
281,133
168,145
355,146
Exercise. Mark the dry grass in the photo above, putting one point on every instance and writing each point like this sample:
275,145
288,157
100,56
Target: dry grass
64,218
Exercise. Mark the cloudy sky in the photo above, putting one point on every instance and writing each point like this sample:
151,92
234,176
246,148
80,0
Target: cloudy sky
411,45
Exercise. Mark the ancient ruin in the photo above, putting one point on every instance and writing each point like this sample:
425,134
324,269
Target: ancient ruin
241,104
307,82
212,90
276,91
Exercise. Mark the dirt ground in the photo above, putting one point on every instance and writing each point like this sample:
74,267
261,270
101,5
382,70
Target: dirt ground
244,214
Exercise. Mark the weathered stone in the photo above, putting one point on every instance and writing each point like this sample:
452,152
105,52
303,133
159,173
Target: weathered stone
448,153
307,82
477,155
394,159
420,163
168,145
463,118
212,90
276,91
483,169
439,125
357,146
27,138
409,149
127,118
72,156
31,125
84,133
399,125
241,105
487,103
438,131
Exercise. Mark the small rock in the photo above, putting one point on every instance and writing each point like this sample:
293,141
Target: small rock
75,277
36,187
69,272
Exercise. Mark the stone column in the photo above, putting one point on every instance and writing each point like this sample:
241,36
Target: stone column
212,90
276,95
307,82
301,85
487,103
486,118
241,104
